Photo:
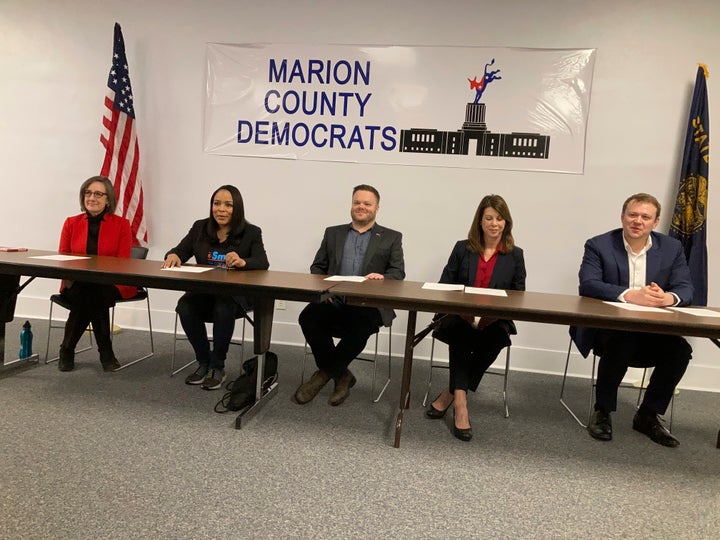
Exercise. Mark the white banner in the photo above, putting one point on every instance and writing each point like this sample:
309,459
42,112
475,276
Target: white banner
472,107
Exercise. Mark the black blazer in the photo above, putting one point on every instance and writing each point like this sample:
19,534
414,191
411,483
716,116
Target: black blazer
248,245
509,272
384,256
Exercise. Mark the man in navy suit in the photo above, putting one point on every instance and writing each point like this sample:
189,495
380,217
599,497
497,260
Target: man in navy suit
636,265
359,248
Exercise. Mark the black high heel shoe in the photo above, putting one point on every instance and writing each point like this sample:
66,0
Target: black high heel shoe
462,434
435,414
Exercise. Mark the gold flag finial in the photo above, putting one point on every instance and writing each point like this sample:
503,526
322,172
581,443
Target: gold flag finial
705,70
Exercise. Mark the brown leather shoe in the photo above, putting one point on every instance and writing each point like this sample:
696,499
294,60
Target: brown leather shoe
306,392
342,388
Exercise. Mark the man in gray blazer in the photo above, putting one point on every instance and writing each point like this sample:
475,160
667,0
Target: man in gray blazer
359,248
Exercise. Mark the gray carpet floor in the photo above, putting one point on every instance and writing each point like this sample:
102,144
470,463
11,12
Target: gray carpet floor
138,454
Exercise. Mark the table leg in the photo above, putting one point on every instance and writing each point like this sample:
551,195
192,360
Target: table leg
2,343
716,342
406,376
262,330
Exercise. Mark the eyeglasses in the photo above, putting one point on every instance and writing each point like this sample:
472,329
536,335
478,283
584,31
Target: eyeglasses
96,194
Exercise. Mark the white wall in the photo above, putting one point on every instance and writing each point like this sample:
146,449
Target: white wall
54,58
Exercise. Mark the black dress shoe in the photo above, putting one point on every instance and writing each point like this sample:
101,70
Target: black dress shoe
434,413
600,426
649,424
462,434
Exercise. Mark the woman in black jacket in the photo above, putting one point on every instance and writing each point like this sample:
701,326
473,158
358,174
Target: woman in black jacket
227,240
488,258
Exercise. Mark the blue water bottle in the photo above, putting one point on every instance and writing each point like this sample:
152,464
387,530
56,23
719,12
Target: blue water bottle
26,340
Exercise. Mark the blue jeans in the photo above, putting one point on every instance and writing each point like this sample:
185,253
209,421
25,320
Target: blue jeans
195,309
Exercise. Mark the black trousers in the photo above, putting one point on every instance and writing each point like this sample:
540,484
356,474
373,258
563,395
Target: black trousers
195,309
89,303
352,324
618,350
472,351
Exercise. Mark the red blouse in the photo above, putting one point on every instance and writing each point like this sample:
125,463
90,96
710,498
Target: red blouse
485,270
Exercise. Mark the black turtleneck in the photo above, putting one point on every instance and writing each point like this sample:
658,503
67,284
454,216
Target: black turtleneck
93,233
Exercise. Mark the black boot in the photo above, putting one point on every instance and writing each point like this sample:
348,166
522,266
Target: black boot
66,360
108,360
75,327
101,328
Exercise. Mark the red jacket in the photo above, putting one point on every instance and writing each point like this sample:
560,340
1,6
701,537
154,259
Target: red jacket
114,240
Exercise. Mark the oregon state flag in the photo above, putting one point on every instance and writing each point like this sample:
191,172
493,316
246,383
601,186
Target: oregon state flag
689,216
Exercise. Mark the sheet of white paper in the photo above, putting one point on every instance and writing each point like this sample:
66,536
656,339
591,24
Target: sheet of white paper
345,278
59,257
443,287
700,312
189,269
635,307
489,292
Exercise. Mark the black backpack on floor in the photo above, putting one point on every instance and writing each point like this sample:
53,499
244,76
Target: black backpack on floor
241,392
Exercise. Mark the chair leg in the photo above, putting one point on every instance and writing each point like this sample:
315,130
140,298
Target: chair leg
592,389
429,379
387,382
305,355
505,381
50,329
505,374
172,360
152,343
242,343
642,387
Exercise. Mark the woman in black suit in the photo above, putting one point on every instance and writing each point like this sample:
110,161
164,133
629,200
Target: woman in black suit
488,258
228,240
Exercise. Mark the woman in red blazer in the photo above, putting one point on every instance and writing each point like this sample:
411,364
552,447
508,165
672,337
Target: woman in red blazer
97,231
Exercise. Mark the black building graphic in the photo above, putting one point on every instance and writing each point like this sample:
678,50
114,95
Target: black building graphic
474,135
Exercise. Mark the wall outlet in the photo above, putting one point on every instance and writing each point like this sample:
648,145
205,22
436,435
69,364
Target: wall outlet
280,304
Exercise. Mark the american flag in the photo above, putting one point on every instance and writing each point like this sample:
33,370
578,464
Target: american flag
119,138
